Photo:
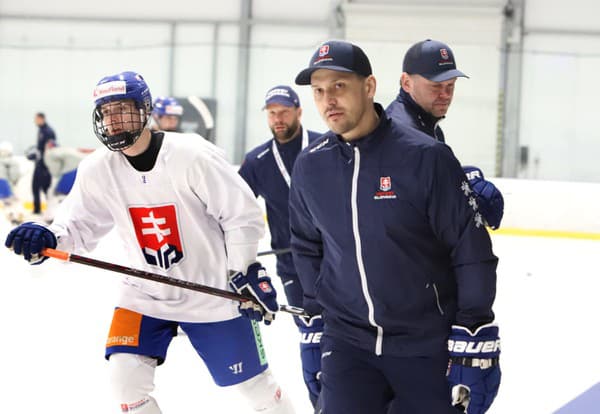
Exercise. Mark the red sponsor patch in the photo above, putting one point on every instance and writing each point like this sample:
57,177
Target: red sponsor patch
444,54
323,50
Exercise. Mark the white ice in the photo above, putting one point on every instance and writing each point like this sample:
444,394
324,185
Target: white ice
56,317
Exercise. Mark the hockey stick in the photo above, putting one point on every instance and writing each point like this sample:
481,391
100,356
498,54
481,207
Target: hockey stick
155,277
276,251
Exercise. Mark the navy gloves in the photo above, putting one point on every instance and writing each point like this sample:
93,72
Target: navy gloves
489,199
255,284
29,239
311,330
474,370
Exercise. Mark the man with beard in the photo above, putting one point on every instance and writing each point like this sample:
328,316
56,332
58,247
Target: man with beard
267,170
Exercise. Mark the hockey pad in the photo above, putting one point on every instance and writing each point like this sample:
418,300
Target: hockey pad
474,370
489,199
132,380
257,285
264,394
311,331
29,239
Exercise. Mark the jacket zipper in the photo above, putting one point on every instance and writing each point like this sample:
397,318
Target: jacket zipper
437,299
359,260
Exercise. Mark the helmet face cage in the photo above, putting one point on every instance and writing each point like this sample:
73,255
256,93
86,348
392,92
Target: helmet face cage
122,110
119,124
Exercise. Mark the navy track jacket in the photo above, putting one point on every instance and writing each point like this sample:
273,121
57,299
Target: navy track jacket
405,110
44,136
387,241
260,171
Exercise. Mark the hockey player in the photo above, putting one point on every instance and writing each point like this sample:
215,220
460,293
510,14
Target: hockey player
182,210
426,89
390,248
62,163
9,170
267,169
41,176
10,173
166,113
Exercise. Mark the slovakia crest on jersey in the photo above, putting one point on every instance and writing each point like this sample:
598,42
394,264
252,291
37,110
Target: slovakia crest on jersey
157,232
385,183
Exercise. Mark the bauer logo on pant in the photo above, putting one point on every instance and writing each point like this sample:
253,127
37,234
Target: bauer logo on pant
157,232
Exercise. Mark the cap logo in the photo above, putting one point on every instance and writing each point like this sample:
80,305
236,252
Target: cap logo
444,54
277,91
110,88
323,50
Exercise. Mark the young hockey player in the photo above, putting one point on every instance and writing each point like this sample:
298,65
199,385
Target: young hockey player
182,210
166,113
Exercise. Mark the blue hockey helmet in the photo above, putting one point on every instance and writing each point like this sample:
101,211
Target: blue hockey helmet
123,130
167,105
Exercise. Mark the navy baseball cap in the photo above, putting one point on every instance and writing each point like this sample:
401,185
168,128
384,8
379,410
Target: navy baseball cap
283,95
433,60
339,56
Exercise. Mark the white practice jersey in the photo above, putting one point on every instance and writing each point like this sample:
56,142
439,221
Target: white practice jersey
60,160
9,169
192,217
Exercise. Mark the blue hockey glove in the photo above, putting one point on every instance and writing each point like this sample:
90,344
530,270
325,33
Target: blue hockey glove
257,285
29,239
474,370
311,330
489,199
32,153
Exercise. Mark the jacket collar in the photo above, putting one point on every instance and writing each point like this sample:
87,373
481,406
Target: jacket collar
297,139
373,137
425,117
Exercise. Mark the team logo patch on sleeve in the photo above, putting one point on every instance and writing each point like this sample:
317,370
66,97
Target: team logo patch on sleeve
265,287
157,232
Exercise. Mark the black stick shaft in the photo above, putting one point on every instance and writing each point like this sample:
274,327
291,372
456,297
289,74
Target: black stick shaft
276,251
155,277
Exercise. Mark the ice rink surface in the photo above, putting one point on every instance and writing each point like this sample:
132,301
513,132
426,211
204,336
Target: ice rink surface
56,317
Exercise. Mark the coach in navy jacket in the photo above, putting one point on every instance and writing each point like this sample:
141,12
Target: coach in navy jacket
267,170
427,86
388,244
268,178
